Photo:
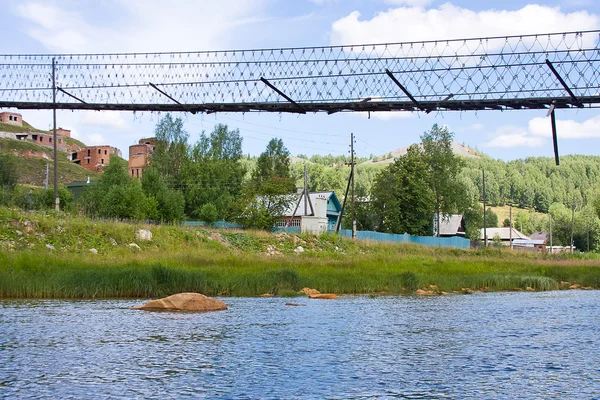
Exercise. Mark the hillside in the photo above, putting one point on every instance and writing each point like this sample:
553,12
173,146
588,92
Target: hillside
388,158
31,160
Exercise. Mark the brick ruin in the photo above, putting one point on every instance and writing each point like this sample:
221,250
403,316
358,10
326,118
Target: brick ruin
139,156
95,158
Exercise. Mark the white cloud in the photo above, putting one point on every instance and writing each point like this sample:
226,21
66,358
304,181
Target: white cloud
450,21
539,130
566,129
477,127
153,26
513,136
410,3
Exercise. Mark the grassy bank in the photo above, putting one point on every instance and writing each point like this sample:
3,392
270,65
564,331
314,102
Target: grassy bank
60,256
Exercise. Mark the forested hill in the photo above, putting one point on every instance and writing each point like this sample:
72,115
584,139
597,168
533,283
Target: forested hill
534,182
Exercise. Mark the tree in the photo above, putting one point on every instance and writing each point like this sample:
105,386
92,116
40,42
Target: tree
272,172
403,196
117,195
491,219
215,172
169,203
443,168
171,151
506,223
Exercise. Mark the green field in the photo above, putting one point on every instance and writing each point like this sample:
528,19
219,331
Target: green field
51,256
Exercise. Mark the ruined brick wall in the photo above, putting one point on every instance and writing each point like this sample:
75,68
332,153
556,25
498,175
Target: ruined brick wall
95,158
11,118
63,132
139,158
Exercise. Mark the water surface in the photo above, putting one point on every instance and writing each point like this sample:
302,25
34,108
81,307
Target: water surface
500,345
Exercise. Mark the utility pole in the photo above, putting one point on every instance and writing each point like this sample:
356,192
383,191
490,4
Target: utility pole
572,223
352,177
305,193
56,199
550,223
47,172
485,240
510,229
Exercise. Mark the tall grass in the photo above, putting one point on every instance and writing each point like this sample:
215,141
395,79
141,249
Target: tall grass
180,259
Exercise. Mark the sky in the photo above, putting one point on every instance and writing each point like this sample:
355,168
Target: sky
75,26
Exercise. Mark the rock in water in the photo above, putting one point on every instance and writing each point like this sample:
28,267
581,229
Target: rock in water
184,302
143,235
326,296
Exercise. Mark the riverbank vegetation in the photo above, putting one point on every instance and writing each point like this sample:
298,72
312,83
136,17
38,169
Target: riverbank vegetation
50,255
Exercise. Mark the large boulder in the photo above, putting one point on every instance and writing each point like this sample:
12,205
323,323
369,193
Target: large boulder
143,235
184,302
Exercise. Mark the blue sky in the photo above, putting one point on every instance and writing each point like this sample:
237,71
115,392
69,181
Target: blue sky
155,25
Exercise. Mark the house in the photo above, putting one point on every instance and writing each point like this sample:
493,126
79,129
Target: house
139,156
504,234
95,158
450,225
321,217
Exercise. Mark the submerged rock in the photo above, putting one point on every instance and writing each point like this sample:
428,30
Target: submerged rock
295,305
184,302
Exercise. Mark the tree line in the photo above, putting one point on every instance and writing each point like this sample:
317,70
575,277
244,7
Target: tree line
212,180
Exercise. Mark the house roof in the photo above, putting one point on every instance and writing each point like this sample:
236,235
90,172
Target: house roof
330,196
504,233
450,224
539,236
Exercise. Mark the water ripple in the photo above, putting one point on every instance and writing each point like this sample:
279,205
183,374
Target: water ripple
525,345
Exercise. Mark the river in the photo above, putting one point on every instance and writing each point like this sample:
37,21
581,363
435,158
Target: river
494,345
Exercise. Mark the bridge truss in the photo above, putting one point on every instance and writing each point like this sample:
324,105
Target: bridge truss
559,70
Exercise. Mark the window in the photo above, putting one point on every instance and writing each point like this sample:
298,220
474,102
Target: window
88,160
137,172
99,151
104,152
102,161
50,139
89,153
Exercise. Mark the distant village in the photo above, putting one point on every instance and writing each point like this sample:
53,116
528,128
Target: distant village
92,158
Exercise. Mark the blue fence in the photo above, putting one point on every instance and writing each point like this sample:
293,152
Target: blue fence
454,241
432,241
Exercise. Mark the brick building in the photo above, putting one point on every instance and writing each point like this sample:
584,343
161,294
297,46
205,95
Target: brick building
11,118
139,156
43,139
63,132
95,158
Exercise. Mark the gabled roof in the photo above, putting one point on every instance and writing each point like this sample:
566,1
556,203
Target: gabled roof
450,224
330,196
539,236
504,233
